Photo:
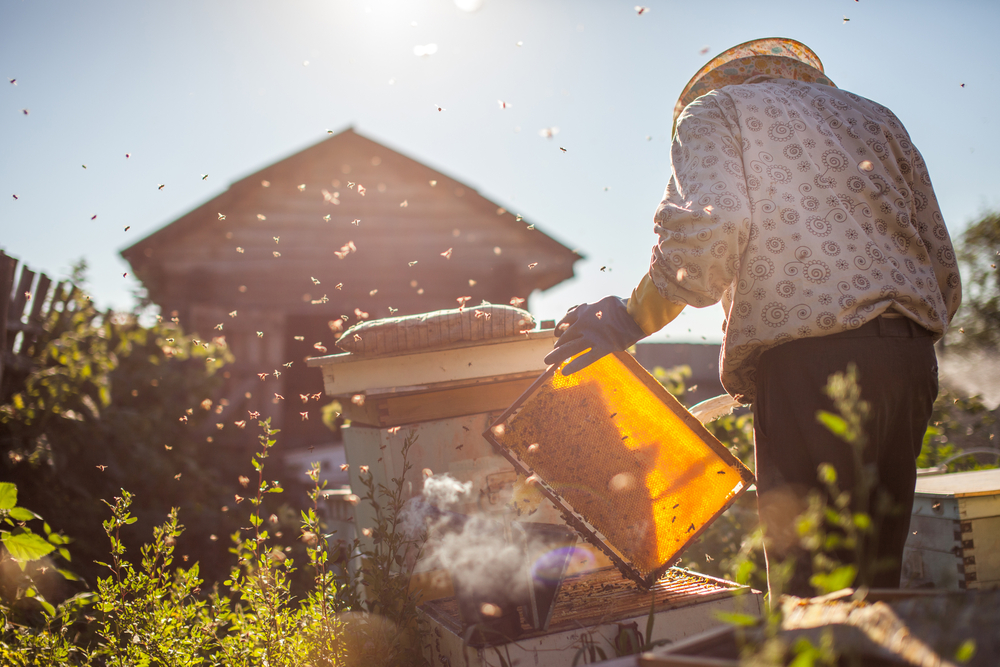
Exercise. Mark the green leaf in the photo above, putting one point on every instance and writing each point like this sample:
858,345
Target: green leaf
805,654
834,423
827,474
69,576
46,605
840,578
744,571
26,546
832,516
862,521
8,495
743,620
832,542
22,514
965,652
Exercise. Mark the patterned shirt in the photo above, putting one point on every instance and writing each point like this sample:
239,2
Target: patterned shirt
807,211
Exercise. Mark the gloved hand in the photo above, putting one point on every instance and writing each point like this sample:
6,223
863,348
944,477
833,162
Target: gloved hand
604,327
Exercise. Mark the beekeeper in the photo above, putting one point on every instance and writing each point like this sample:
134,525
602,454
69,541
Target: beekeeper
810,214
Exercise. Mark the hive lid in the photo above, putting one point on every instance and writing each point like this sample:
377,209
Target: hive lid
961,484
630,468
440,329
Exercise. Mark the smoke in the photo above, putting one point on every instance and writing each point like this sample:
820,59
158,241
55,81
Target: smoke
444,491
492,561
482,562
432,507
472,548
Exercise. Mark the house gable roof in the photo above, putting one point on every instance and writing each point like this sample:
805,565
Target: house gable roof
291,218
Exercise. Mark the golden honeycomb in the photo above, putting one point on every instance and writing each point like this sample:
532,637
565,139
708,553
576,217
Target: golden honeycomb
612,445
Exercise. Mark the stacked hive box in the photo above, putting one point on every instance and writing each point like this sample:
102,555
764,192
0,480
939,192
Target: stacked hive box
954,539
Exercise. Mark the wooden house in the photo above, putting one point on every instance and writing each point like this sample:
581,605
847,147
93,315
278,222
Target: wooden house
344,230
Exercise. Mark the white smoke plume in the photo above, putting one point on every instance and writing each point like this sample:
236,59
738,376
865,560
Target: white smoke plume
482,562
441,493
444,491
472,548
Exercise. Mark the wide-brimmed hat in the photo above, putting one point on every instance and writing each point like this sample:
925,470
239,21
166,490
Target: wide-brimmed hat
777,57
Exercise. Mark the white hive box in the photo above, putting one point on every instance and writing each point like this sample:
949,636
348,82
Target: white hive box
447,397
463,364
954,540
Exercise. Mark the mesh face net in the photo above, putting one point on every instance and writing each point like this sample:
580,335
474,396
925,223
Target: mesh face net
611,445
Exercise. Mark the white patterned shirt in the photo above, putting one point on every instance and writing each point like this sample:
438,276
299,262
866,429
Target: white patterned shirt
807,211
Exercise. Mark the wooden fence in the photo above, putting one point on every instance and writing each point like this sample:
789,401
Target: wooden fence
32,313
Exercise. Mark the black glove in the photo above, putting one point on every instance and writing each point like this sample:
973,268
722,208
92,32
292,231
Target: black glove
604,327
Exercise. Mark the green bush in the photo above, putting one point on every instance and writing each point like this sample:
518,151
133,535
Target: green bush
111,404
959,424
159,611
978,322
156,613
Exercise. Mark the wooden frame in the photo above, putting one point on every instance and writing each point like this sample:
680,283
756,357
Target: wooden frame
587,531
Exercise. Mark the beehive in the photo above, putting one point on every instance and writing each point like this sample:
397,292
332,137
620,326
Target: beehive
631,469
954,537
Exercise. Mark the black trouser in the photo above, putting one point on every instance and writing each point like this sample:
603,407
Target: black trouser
897,373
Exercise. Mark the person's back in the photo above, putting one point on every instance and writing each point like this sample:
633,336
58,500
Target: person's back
820,214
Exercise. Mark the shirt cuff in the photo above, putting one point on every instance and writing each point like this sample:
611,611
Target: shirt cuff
650,310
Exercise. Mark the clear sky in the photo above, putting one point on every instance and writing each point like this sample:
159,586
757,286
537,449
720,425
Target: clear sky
220,87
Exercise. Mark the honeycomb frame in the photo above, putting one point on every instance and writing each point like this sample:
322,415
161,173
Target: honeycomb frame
624,514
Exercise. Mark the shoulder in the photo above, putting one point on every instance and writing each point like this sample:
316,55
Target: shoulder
709,114
838,99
